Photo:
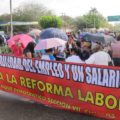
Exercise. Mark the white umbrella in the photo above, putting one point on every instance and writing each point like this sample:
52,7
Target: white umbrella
50,43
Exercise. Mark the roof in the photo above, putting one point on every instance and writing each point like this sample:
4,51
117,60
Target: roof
17,23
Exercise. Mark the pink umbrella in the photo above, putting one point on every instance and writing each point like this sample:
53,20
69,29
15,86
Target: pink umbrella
24,39
49,43
18,42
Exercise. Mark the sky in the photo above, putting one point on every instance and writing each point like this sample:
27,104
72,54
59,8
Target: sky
72,8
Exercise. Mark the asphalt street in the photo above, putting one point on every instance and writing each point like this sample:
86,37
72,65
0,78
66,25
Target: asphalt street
14,108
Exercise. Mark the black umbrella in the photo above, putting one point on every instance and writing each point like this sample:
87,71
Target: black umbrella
94,38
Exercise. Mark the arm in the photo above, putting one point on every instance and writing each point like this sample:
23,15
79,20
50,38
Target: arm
29,54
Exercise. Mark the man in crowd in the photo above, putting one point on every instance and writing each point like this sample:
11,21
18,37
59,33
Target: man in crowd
99,57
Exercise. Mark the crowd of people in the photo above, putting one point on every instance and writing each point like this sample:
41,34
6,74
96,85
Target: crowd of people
82,51
75,51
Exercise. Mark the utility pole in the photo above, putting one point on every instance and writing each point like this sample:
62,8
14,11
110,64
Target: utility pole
86,25
64,22
94,14
11,20
94,21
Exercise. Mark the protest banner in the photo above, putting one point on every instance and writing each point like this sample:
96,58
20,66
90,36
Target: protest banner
88,89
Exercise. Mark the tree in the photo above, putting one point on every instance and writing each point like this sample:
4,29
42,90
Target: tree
30,12
68,22
5,18
50,21
93,19
80,23
116,27
26,12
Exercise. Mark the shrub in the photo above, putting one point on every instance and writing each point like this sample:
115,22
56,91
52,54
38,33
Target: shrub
50,21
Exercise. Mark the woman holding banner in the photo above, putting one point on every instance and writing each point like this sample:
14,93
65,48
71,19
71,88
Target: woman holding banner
29,50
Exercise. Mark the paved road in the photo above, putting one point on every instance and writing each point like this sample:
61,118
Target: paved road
12,108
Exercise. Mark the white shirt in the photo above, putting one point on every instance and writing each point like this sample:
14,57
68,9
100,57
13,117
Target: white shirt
45,57
74,59
99,58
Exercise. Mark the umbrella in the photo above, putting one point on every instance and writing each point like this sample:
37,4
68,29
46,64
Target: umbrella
50,43
93,37
53,33
35,33
24,39
18,42
109,39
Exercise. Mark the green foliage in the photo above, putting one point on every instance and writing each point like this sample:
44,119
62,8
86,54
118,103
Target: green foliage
93,19
50,21
80,23
26,12
117,27
5,18
4,49
37,12
68,22
30,12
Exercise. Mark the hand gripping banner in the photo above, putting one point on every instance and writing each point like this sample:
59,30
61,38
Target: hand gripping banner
88,89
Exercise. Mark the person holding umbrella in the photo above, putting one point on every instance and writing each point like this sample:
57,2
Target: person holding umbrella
49,46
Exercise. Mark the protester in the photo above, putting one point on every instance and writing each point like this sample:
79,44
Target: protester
37,54
85,50
59,53
1,40
69,45
115,49
88,52
29,50
17,49
99,57
74,57
48,54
